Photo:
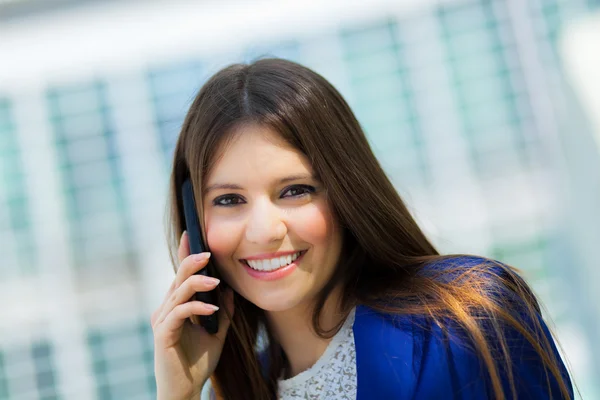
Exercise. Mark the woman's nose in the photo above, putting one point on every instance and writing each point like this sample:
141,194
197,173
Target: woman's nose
265,224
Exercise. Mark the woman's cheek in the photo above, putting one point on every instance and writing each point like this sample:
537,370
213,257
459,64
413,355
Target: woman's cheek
222,241
314,223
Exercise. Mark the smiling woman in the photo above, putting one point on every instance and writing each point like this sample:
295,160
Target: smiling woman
267,209
316,248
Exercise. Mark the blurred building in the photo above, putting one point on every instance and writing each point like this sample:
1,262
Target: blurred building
469,105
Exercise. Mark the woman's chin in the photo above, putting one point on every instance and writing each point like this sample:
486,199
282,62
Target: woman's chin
274,302
273,297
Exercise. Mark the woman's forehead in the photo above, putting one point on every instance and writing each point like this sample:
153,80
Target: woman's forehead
260,151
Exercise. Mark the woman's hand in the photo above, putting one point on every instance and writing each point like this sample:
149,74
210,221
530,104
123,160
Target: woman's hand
185,355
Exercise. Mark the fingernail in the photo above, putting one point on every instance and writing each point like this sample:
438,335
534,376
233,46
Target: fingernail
211,281
201,256
182,235
211,307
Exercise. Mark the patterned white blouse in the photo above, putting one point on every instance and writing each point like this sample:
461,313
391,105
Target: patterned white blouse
333,376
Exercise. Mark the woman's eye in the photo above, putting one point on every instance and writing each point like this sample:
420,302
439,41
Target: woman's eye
298,191
227,200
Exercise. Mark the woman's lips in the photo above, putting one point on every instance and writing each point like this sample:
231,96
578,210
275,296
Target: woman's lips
276,274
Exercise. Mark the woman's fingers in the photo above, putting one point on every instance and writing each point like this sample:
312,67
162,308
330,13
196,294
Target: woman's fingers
156,314
195,283
177,317
189,266
177,307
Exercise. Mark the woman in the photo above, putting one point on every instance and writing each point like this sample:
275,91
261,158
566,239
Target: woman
322,258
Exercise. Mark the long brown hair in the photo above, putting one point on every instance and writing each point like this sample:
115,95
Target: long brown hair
384,250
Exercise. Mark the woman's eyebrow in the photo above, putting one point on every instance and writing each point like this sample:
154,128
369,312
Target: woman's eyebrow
230,186
296,178
233,186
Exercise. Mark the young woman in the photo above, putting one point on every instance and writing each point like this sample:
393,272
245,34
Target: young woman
321,257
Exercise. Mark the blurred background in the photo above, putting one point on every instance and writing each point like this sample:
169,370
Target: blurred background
485,114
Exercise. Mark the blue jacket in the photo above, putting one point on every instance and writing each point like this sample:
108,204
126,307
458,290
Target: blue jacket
407,357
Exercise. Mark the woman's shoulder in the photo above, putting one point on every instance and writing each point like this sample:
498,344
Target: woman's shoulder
453,270
495,280
457,266
399,356
405,353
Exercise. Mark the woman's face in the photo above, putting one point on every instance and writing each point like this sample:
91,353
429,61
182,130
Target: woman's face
268,225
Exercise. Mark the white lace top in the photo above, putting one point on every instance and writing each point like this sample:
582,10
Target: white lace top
333,376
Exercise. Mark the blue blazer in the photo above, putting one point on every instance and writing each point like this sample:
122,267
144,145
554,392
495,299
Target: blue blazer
408,357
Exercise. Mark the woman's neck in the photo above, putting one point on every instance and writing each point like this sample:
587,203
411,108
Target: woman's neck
293,329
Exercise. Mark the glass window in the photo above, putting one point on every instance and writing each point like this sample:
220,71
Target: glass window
86,147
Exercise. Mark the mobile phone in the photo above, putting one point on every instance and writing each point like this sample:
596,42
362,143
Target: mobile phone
192,225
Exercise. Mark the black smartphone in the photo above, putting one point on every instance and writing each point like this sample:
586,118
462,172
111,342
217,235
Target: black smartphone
192,226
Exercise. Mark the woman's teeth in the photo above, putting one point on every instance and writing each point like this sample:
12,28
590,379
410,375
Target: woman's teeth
273,263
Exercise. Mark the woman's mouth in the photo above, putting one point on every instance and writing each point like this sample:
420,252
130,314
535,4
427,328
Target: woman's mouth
273,268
